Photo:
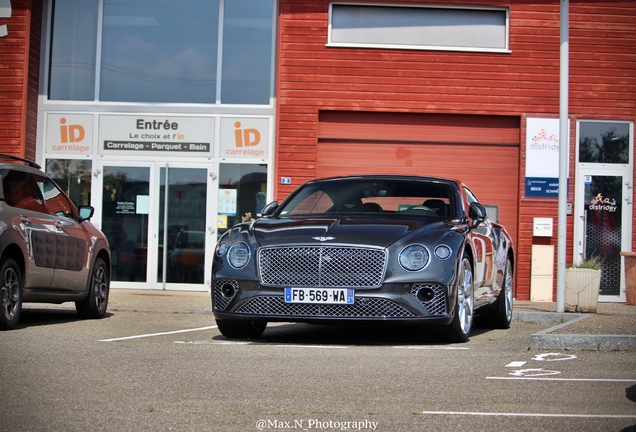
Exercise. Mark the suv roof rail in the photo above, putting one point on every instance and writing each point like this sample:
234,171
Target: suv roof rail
19,159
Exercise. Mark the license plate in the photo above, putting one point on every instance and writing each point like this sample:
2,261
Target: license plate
319,295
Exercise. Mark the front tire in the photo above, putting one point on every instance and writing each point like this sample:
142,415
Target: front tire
458,331
10,293
239,329
501,315
96,302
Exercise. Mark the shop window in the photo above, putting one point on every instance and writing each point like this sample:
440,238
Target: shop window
242,194
604,142
74,177
247,59
418,27
164,51
73,48
159,51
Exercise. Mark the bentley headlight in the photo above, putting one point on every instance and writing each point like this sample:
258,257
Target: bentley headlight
414,257
239,255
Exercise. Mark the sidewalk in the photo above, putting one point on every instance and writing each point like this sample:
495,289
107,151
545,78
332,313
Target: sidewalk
613,327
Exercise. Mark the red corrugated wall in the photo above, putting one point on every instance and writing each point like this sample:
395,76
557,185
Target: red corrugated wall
19,77
313,78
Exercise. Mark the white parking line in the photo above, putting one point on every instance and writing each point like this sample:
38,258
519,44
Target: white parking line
491,414
562,379
157,334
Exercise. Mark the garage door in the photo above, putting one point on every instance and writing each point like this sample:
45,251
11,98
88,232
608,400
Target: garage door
481,151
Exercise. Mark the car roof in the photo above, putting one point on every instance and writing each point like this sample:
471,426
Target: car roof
388,177
16,160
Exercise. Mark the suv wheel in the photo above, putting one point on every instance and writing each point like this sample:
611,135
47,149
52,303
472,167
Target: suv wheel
10,293
96,302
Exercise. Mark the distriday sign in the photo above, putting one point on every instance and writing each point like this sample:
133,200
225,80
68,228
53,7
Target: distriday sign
140,133
542,157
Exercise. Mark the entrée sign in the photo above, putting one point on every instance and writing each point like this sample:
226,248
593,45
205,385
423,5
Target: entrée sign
126,133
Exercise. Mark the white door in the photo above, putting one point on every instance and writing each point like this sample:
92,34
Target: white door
134,209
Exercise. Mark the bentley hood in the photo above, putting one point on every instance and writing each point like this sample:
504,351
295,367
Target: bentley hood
359,230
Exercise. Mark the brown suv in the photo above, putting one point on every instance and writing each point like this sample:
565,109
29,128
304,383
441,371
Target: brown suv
49,251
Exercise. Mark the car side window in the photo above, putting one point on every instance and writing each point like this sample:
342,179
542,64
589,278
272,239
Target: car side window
469,196
21,191
56,202
317,202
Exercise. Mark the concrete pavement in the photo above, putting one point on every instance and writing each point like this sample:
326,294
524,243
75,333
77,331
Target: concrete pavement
613,327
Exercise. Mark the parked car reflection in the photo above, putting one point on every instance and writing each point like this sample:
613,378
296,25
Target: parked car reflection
187,257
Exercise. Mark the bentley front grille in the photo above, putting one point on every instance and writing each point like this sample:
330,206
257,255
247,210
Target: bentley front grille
362,308
322,266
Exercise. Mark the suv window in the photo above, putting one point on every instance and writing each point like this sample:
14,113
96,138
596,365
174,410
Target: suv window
56,203
21,191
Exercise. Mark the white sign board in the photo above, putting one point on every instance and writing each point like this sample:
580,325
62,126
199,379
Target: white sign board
542,157
227,202
138,133
69,134
244,137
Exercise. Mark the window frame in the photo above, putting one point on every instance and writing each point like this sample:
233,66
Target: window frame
630,144
96,101
506,49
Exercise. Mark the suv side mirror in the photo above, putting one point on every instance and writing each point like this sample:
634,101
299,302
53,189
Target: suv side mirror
85,212
269,209
478,214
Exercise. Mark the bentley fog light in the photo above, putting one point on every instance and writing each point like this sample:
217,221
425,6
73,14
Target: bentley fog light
442,252
414,258
239,255
220,251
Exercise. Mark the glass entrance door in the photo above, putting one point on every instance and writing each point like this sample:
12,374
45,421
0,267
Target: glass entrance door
148,209
182,225
603,213
125,210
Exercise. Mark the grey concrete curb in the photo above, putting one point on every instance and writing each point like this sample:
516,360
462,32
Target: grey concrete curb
545,340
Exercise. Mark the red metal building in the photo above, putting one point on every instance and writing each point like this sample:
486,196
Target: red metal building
354,96
351,108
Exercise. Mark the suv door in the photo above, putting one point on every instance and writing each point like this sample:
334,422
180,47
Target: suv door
31,220
72,238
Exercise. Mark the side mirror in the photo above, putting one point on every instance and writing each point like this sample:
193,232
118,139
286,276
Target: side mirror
477,213
269,209
85,212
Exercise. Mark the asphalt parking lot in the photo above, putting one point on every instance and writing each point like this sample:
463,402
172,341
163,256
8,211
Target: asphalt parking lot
158,363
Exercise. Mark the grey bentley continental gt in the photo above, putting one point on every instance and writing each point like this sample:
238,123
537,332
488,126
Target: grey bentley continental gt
366,248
